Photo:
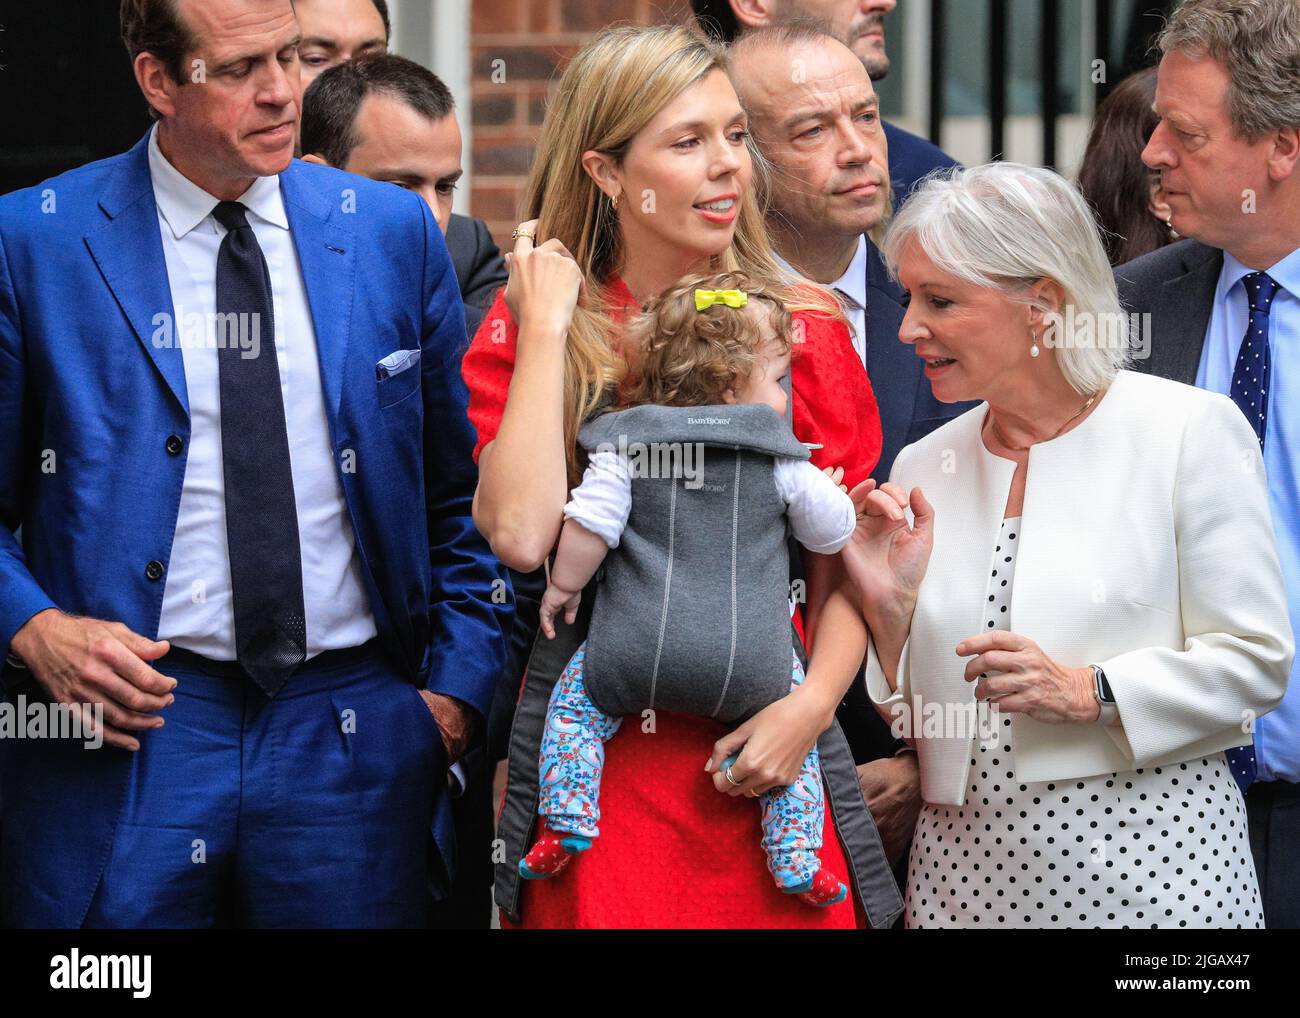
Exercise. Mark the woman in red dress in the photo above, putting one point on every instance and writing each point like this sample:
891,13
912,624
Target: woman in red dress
644,174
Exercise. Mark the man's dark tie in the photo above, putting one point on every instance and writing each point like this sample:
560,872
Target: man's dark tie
261,515
845,298
1250,392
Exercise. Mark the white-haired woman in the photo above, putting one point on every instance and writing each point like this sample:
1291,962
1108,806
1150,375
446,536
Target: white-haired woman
1085,608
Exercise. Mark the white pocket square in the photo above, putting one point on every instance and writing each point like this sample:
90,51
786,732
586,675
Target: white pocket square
396,362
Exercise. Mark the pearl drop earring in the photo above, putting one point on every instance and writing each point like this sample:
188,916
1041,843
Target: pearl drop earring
1033,350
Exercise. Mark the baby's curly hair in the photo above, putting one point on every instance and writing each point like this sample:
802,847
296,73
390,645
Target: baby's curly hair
682,357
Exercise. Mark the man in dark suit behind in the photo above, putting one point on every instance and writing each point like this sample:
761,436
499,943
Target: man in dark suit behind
388,118
829,191
1224,311
860,25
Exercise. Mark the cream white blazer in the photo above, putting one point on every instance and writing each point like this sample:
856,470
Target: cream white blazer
1145,546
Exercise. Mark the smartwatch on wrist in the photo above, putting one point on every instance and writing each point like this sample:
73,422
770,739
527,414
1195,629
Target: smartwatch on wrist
1105,698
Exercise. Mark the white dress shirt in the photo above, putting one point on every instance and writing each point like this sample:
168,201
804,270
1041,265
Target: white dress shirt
853,285
197,612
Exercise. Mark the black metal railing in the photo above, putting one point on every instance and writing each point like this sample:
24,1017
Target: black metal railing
1143,20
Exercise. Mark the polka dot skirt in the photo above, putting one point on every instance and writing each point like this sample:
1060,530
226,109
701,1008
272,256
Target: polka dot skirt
1156,847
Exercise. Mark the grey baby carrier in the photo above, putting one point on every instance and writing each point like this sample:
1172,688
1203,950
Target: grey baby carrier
692,610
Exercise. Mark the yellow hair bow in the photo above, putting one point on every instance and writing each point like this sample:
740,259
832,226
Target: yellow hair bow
731,298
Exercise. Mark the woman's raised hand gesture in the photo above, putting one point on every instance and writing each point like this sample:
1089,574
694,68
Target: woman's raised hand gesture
545,282
887,557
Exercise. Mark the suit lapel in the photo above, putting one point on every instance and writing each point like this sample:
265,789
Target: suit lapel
461,242
968,521
128,250
891,366
968,508
1185,305
327,256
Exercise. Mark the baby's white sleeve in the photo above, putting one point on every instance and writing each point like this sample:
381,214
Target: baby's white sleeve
821,516
603,500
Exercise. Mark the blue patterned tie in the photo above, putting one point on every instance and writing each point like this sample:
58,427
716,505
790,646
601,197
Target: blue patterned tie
1250,392
261,511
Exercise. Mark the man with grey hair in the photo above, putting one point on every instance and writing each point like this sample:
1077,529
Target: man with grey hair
859,25
1225,314
829,190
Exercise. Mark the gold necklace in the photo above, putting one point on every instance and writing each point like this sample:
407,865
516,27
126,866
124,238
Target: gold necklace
997,432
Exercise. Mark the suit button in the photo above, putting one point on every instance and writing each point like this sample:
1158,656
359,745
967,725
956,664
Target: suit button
154,570
175,444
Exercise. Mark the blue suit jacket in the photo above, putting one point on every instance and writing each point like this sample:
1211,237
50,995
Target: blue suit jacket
88,401
911,159
908,409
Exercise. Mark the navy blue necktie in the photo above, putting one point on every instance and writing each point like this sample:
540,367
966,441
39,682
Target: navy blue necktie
261,514
1250,392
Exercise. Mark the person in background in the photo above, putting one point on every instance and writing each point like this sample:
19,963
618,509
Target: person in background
337,30
860,25
1225,314
388,118
1125,195
828,194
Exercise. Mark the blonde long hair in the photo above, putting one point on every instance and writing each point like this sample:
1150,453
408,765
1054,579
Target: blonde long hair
611,89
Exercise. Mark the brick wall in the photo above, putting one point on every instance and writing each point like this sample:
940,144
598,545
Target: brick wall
532,39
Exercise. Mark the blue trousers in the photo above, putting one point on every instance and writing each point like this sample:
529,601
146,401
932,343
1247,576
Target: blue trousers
309,810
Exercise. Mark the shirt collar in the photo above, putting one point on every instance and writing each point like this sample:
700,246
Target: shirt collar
853,284
184,205
1286,273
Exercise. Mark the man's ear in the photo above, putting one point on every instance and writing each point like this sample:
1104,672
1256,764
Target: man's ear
602,170
156,83
754,13
1284,154
314,158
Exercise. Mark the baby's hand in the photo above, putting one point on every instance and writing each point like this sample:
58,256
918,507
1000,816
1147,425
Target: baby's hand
554,601
836,474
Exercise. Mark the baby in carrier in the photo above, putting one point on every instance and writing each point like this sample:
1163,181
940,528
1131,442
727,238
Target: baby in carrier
686,504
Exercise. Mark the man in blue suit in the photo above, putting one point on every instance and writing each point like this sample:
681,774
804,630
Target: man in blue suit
860,25
830,190
234,435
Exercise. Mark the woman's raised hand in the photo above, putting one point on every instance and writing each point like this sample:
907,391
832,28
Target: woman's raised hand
886,557
545,282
